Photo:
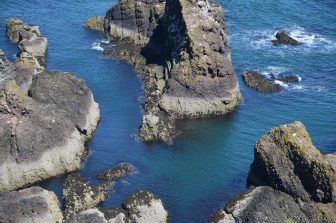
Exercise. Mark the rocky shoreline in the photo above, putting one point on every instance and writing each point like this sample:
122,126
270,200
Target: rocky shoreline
46,117
181,52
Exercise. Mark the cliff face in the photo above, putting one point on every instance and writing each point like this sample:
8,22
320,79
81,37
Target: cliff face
188,40
291,181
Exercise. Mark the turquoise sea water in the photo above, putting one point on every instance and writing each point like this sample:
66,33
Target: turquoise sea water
208,163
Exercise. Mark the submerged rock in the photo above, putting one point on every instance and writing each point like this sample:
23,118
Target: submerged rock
116,172
95,23
258,81
79,195
30,205
290,79
284,38
182,55
295,182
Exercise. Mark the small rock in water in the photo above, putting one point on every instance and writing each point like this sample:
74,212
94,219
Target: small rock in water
290,79
258,81
117,172
95,23
285,39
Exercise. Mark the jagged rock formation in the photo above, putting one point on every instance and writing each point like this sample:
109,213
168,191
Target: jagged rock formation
295,182
30,205
32,45
181,52
285,39
45,117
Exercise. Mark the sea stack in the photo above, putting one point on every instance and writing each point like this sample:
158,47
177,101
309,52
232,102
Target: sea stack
181,52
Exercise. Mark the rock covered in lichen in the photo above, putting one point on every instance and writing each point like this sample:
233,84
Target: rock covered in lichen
143,207
295,182
30,205
79,195
286,160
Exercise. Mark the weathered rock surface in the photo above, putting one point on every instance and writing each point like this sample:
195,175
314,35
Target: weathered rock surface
95,23
32,205
143,207
260,204
45,117
134,20
286,160
295,182
183,46
79,195
258,81
140,207
285,39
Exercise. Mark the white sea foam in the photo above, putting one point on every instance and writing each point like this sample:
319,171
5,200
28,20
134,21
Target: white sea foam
97,46
262,38
105,41
281,83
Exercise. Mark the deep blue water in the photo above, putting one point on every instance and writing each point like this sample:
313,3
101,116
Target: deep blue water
208,163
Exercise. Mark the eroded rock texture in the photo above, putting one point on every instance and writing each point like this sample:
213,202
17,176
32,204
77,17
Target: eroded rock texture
32,205
45,117
181,52
295,182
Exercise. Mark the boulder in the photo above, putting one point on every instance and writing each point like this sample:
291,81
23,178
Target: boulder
285,39
13,28
95,23
258,81
290,79
31,205
143,207
88,216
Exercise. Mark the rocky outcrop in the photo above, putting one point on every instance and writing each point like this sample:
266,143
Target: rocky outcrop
30,205
79,195
260,204
181,52
140,207
134,21
295,167
95,23
45,117
32,45
143,207
294,181
261,83
283,38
